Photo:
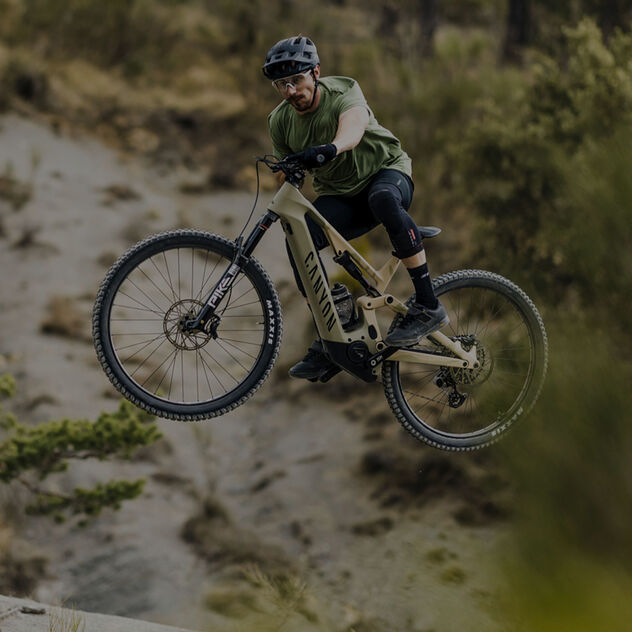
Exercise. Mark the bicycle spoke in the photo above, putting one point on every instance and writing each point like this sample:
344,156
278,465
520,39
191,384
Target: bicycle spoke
173,353
135,344
147,358
205,373
139,309
244,305
163,290
231,355
154,284
205,363
221,366
149,309
175,297
469,401
242,342
168,282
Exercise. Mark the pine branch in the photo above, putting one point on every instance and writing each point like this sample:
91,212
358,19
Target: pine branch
46,448
39,451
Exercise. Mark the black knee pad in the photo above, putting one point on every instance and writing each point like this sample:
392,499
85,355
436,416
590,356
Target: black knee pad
386,204
407,242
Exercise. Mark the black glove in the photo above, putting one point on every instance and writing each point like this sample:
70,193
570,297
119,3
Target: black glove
315,156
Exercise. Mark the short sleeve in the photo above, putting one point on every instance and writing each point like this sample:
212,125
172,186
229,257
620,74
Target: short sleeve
279,146
354,97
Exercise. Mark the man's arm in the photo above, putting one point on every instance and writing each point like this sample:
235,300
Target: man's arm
351,126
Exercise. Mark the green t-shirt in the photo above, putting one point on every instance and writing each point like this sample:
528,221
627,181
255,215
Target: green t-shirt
351,170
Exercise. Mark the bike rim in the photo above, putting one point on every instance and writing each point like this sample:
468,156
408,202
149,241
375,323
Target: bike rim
492,394
145,334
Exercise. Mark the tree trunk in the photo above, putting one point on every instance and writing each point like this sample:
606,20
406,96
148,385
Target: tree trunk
389,18
429,21
518,29
612,14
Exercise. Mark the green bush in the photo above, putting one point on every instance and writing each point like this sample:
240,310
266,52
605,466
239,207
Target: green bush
30,454
568,558
517,162
117,32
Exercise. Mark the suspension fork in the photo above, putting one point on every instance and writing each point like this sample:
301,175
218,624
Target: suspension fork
240,260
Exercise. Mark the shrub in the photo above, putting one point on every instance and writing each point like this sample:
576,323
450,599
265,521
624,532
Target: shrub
30,454
517,162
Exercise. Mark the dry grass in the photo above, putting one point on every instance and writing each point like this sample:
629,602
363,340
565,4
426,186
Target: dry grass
119,193
27,238
64,620
137,229
453,575
107,258
63,318
13,191
20,567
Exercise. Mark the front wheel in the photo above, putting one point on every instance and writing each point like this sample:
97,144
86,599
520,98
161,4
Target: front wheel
466,409
157,364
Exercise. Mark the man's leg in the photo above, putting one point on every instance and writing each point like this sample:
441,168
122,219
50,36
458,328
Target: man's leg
389,197
337,211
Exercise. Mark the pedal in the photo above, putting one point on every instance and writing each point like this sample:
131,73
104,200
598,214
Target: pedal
328,374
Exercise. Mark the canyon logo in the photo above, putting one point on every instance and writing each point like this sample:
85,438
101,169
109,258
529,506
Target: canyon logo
321,290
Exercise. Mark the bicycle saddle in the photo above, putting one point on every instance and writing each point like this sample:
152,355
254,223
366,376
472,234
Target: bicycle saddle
428,231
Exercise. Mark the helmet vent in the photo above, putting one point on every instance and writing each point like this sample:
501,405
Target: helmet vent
289,56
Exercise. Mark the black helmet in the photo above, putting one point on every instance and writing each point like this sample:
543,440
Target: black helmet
289,57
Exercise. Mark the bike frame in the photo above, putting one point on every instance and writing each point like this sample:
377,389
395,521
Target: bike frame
360,350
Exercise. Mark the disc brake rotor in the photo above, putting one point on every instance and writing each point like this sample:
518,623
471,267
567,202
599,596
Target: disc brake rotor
485,360
173,325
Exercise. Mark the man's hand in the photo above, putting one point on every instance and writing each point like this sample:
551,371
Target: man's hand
315,156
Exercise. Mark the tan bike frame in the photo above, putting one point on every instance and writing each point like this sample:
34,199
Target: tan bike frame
292,207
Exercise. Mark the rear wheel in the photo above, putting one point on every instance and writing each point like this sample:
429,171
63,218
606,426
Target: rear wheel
466,409
147,354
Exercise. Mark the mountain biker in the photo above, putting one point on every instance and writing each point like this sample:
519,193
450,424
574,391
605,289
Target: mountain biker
361,174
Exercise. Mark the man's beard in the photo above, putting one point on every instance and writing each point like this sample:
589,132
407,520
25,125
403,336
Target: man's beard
301,105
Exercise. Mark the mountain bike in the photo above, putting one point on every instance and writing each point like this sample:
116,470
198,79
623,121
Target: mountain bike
187,325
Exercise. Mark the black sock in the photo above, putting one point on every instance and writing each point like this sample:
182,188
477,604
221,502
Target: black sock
423,286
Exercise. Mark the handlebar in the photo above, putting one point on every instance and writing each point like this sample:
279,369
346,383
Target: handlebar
293,170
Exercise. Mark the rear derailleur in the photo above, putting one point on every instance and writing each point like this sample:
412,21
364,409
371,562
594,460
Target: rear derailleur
446,383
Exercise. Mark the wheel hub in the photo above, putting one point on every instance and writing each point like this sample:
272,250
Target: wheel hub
174,323
484,358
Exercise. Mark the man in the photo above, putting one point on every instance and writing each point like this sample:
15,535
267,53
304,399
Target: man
361,175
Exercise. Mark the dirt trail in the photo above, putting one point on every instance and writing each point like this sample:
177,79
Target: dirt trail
292,467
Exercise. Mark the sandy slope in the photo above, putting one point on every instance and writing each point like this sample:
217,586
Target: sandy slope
376,546
22,615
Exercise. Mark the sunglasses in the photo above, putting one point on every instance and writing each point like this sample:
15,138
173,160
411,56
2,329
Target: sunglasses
295,80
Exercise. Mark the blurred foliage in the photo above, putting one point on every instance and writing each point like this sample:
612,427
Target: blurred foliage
519,165
548,18
30,454
528,165
569,560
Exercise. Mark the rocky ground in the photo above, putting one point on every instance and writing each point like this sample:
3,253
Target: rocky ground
306,508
